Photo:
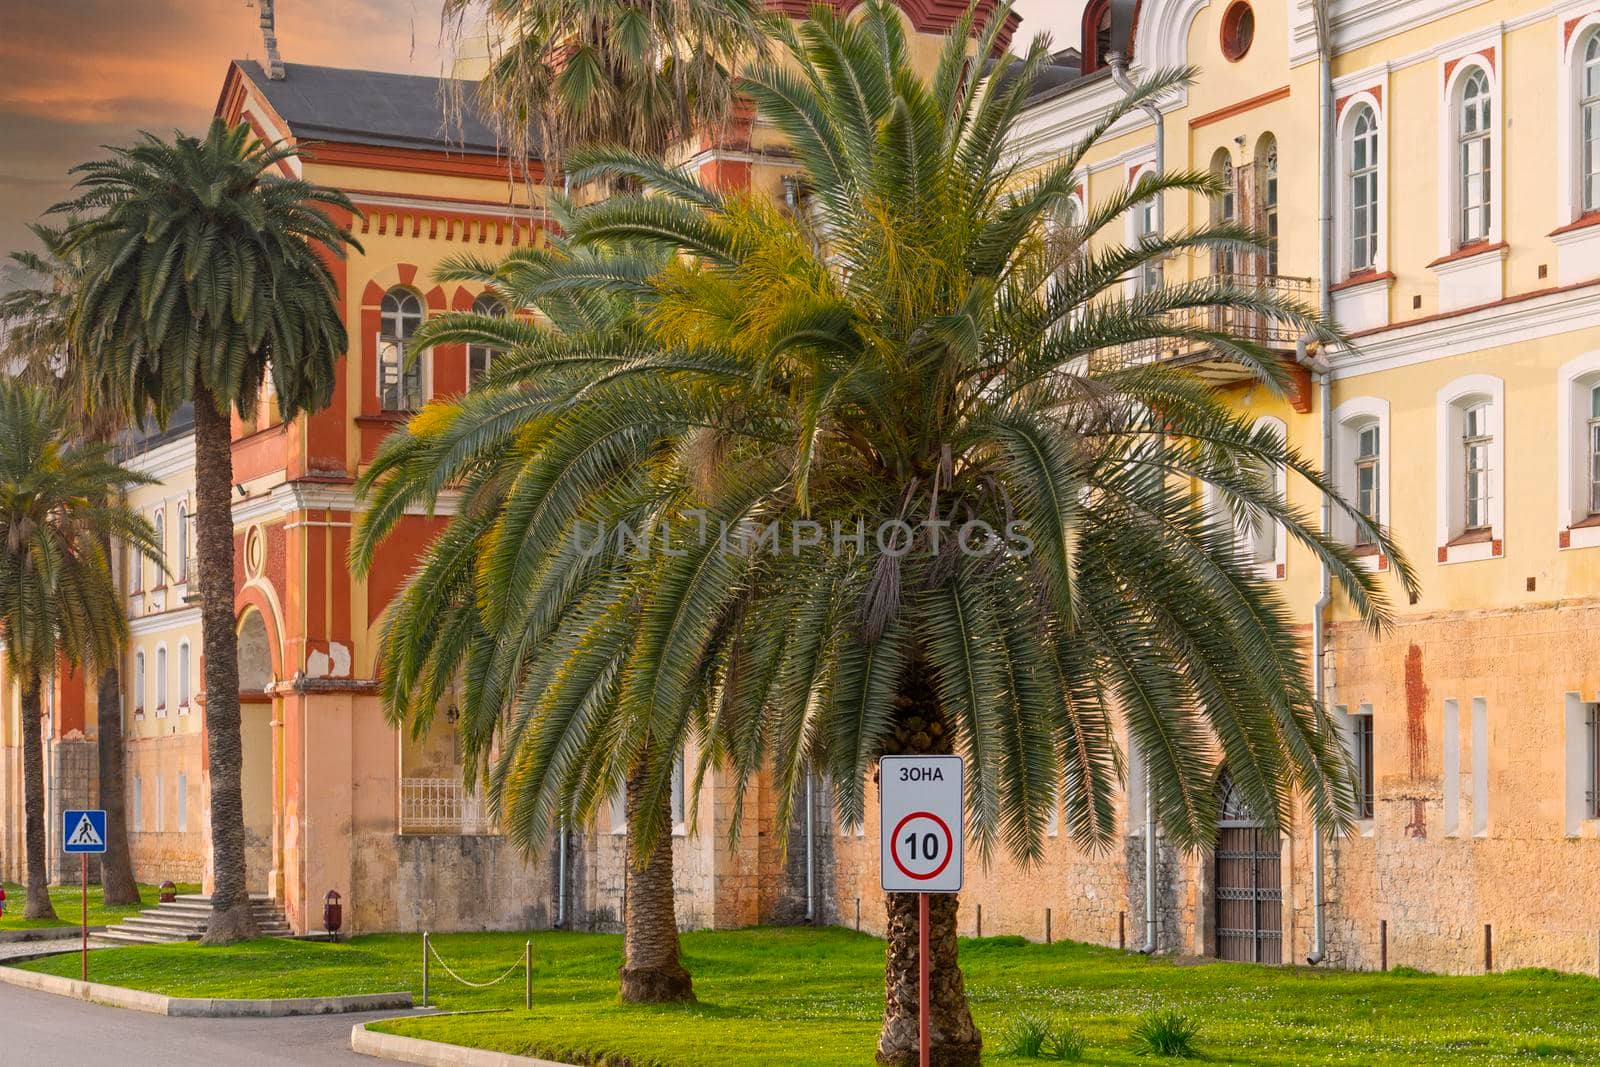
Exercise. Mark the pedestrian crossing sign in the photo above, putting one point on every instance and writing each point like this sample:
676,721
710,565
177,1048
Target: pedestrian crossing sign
83,830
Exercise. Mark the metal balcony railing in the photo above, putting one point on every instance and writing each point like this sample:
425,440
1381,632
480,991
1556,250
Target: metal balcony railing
1248,325
442,806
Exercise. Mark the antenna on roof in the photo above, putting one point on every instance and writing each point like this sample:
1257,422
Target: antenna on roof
269,37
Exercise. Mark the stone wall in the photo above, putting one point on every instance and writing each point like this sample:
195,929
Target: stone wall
73,781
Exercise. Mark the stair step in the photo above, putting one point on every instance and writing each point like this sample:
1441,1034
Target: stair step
126,938
148,924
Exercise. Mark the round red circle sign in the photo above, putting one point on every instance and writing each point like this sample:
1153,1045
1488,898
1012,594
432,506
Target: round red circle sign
917,846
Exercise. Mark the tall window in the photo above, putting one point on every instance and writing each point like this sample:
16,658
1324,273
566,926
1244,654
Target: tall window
183,674
1589,122
1369,451
161,679
183,542
399,376
481,357
1224,209
679,807
1475,443
1361,756
1364,190
1145,229
159,521
135,571
1473,144
138,684
1594,450
1267,178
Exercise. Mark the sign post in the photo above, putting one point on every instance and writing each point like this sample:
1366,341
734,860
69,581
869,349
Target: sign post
920,848
83,831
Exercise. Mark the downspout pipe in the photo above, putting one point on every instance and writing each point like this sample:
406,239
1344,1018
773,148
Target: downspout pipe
561,876
1119,75
811,854
1324,379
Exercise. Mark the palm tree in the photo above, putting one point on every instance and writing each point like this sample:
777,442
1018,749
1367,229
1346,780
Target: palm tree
36,344
452,621
58,600
565,73
206,273
919,354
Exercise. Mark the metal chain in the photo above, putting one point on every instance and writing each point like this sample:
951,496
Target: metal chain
475,985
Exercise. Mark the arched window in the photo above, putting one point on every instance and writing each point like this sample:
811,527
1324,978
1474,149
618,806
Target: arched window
161,679
1368,473
399,375
1146,227
1474,142
1224,209
183,541
183,674
159,521
1267,196
1589,122
1363,222
1096,35
481,357
138,684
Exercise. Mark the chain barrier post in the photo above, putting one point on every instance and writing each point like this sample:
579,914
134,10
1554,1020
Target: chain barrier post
527,975
424,968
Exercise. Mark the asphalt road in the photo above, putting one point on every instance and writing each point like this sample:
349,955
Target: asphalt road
44,1030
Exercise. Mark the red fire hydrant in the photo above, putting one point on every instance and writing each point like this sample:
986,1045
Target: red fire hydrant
332,914
2,903
169,892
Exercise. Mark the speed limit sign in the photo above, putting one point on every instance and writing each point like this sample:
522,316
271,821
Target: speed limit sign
920,823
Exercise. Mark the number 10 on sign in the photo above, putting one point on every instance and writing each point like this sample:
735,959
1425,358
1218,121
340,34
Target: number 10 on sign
920,824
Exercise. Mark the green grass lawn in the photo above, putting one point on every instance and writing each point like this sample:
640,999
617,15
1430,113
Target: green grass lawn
805,996
68,906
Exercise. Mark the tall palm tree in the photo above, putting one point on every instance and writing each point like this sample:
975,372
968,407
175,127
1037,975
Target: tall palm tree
36,346
565,73
206,273
58,600
917,351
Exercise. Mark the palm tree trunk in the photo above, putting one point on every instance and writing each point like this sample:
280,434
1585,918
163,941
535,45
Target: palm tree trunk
651,970
953,1039
231,918
38,906
116,866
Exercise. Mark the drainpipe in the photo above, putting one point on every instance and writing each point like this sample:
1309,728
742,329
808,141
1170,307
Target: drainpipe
811,861
1119,75
561,876
1320,371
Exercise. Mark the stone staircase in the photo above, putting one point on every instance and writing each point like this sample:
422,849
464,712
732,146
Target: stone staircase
185,919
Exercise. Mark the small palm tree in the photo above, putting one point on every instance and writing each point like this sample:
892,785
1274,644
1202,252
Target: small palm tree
36,346
206,273
918,355
58,599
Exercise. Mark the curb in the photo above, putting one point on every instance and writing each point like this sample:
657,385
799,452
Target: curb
434,1053
200,1007
45,933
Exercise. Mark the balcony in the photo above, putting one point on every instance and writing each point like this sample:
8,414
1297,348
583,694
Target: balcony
1201,358
442,806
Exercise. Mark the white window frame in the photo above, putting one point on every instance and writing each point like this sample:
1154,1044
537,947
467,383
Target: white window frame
1137,218
183,803
1451,239
1573,382
1225,211
394,337
138,683
1362,764
619,810
1450,406
161,680
1078,211
185,683
159,521
138,805
1569,136
486,304
1349,419
1273,565
679,792
1480,767
1359,104
183,541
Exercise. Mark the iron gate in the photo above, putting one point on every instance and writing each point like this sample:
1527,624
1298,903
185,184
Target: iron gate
1248,884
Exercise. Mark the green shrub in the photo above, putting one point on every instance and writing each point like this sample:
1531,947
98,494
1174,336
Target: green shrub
1026,1036
1409,972
1066,1042
1167,1033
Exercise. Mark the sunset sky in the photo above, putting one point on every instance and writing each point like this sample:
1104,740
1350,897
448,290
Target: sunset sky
83,73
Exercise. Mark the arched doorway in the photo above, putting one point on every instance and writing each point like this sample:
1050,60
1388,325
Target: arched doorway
255,730
1248,883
